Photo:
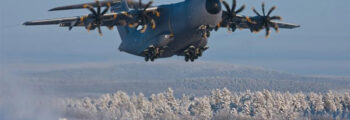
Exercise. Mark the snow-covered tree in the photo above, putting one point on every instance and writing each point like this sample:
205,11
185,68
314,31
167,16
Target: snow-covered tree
221,104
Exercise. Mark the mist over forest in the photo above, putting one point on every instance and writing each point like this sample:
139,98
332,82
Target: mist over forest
197,79
172,90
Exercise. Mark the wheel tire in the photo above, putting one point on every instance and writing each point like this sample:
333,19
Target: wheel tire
192,59
152,58
146,58
200,52
187,58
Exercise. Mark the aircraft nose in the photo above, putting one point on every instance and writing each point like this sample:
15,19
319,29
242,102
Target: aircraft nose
213,6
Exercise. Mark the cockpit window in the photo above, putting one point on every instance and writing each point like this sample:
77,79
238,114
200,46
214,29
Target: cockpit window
213,6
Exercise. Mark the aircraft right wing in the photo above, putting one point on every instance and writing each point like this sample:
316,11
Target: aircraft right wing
107,19
97,18
88,21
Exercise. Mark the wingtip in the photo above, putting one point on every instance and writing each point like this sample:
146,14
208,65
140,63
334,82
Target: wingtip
54,9
25,23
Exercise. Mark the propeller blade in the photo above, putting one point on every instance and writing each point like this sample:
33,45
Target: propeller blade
148,5
233,28
91,9
233,5
271,10
156,13
256,12
133,25
240,9
98,7
106,9
153,23
267,30
275,26
276,18
263,8
227,6
89,27
99,30
144,27
249,20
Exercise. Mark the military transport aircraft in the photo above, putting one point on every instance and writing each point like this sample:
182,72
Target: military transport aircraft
163,31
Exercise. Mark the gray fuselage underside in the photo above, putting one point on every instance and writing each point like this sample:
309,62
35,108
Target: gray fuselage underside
180,19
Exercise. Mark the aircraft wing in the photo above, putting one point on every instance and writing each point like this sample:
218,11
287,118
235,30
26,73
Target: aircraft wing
286,25
109,19
131,4
81,6
255,24
245,24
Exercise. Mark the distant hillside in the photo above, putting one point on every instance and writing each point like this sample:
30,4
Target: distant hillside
192,78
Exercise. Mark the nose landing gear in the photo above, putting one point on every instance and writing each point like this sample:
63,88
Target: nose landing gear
152,52
204,30
192,53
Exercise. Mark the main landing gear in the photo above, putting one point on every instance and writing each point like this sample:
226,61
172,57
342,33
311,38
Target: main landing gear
192,53
152,53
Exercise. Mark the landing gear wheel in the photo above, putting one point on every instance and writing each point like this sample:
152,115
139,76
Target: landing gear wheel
152,52
208,34
146,58
200,52
192,59
187,58
152,58
192,53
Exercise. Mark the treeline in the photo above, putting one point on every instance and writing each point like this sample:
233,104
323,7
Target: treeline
220,104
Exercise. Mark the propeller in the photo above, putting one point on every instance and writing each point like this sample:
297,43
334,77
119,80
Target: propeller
230,15
265,19
96,16
143,18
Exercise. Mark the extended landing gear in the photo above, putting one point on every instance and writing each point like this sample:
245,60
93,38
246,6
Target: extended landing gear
152,53
204,30
192,53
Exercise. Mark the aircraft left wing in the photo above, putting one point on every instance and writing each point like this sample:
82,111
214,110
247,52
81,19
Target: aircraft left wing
232,21
255,24
286,25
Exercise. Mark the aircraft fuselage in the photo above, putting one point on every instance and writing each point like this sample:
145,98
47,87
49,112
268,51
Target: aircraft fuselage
177,28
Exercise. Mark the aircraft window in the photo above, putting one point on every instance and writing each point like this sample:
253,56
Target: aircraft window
213,6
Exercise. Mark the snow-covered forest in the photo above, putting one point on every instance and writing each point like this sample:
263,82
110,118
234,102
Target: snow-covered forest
220,104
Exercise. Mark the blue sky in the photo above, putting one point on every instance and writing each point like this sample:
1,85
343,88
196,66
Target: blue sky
320,46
